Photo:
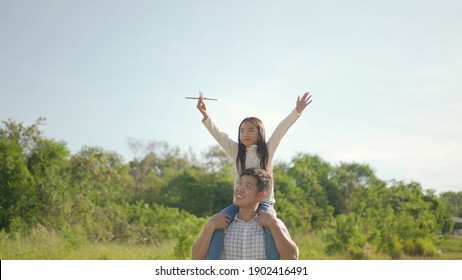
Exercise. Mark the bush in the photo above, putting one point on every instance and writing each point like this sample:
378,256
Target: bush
420,247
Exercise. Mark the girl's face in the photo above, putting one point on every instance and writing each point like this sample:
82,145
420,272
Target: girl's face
248,134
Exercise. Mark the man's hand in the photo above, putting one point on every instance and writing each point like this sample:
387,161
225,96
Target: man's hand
286,247
201,246
218,221
267,220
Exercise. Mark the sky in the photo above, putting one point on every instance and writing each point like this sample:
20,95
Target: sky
385,76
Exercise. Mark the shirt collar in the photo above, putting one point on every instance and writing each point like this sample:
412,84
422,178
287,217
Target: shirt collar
236,219
254,147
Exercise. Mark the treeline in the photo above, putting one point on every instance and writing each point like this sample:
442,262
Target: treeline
94,196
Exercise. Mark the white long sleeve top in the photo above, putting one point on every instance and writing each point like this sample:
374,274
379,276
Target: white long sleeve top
231,148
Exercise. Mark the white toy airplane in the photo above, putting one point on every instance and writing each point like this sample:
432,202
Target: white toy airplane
201,96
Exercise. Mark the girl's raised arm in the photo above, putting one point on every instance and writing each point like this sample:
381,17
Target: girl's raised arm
303,102
202,108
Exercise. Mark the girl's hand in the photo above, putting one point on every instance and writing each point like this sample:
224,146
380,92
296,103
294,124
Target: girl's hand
202,108
303,102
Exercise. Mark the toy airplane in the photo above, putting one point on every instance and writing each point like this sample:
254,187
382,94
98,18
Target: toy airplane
200,96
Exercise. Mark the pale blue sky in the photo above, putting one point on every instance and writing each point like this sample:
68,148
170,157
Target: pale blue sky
385,76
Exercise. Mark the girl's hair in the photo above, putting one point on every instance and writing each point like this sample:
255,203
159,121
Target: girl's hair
262,150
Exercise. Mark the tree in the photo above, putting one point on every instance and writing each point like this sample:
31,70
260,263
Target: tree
47,162
19,201
98,181
453,202
291,204
345,181
147,180
311,175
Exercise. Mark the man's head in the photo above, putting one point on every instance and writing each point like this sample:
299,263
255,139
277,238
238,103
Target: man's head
252,187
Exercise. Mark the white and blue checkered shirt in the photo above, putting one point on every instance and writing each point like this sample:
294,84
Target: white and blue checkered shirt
244,241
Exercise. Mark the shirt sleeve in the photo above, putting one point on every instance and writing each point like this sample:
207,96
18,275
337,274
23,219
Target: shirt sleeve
281,130
229,146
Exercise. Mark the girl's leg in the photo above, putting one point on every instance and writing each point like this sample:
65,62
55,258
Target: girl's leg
216,243
270,245
266,207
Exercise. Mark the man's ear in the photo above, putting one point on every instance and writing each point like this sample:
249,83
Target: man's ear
260,196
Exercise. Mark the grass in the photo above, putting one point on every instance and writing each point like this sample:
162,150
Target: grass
92,252
44,245
312,248
49,246
450,247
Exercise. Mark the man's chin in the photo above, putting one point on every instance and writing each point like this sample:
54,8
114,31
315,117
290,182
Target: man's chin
237,202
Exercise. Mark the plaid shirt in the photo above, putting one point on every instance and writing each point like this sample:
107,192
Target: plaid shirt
244,241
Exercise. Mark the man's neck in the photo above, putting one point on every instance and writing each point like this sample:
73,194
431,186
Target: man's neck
247,214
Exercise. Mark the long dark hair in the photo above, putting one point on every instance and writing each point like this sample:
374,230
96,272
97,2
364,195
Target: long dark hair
262,150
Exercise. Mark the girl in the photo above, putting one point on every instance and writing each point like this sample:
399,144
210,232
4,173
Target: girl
251,150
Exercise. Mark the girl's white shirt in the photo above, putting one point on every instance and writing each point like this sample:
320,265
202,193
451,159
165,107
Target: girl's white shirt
231,148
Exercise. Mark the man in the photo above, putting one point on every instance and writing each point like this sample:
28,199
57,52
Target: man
244,237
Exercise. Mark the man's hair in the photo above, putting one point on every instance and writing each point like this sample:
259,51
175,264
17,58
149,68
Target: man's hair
263,178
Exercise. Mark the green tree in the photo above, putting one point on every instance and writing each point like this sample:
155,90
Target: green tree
152,172
47,163
19,200
98,181
291,204
311,175
453,201
345,181
147,179
347,237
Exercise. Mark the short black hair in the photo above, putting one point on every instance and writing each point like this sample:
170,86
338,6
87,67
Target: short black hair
263,178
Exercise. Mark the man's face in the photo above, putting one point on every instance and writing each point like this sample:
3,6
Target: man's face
245,195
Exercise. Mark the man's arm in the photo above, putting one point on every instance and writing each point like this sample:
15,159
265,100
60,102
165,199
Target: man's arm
286,247
201,246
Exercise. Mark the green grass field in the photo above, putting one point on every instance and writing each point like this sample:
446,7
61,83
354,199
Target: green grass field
49,246
41,245
451,247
